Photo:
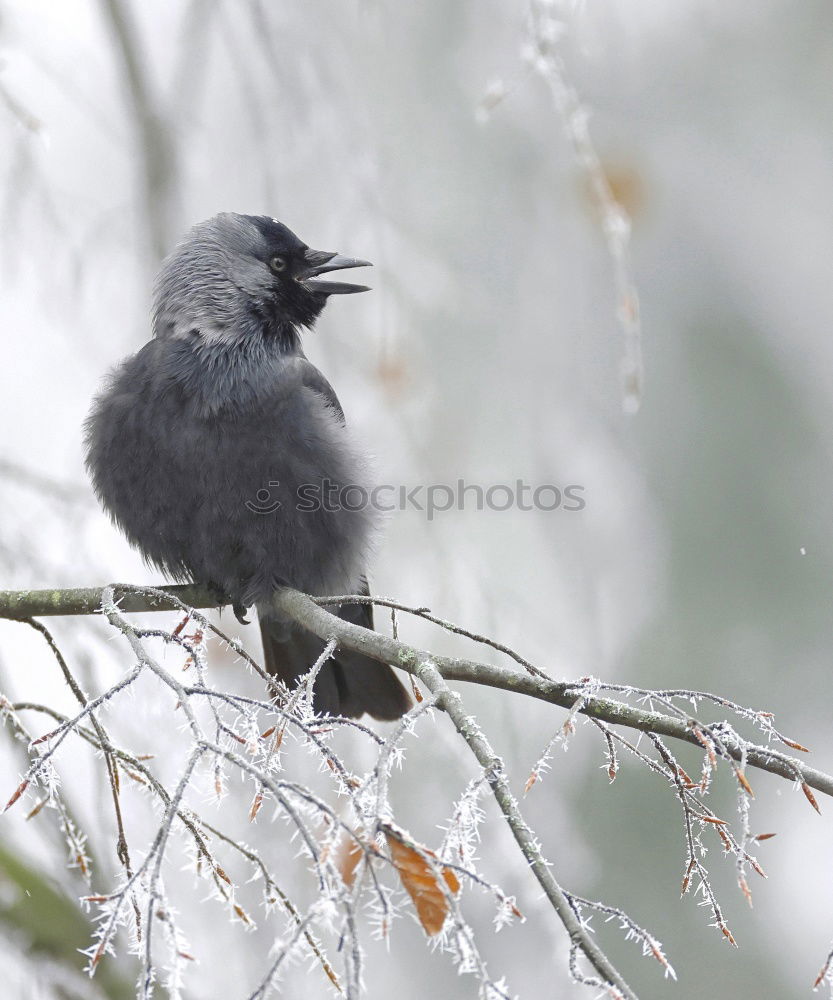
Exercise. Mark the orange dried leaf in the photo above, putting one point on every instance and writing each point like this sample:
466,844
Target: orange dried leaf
421,883
268,733
744,888
712,819
242,914
256,804
21,788
810,797
795,746
757,868
765,836
45,737
416,691
181,626
728,934
451,880
744,783
530,781
222,874
33,812
707,745
612,772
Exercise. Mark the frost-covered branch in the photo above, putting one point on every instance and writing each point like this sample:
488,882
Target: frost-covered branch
311,613
347,839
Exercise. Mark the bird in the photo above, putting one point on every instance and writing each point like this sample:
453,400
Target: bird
200,445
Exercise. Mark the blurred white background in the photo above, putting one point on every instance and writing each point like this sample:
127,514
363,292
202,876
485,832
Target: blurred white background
488,350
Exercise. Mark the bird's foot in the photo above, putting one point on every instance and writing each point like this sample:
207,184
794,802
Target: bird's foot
240,612
222,597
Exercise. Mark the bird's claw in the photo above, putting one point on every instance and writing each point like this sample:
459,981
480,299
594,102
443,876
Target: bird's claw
223,598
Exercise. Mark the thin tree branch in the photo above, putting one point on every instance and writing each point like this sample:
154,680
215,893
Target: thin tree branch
19,605
155,147
493,768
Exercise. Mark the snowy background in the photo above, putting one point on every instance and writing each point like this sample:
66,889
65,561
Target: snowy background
489,350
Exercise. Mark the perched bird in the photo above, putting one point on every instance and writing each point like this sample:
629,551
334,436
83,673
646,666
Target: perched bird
207,447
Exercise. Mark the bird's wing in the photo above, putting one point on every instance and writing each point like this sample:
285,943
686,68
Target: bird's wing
312,378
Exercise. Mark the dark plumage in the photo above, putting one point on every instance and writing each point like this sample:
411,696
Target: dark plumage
219,418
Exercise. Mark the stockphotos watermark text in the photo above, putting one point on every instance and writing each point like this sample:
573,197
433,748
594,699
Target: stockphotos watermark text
430,499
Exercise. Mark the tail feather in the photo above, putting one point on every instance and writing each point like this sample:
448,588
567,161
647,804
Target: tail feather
349,683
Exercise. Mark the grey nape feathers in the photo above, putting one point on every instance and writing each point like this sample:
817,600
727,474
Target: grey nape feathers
199,443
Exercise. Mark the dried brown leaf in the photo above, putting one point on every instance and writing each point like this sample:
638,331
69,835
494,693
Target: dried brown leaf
421,882
37,808
756,867
744,888
45,737
530,781
181,626
744,783
685,777
810,797
21,788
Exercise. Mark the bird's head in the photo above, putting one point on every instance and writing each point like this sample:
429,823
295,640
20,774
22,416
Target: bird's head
234,276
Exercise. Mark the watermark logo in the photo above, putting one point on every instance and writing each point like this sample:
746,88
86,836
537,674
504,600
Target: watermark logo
428,498
265,502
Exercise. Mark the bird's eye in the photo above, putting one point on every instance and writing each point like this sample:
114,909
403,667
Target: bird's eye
278,264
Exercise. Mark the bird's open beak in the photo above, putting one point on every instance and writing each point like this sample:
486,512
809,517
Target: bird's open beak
320,262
